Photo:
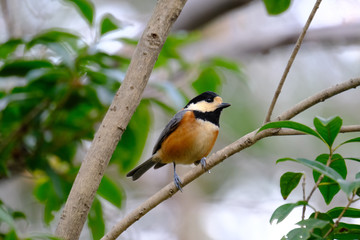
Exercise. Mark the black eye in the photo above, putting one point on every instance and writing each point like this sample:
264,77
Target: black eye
209,100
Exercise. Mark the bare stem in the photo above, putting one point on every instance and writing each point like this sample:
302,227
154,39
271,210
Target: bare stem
304,198
291,60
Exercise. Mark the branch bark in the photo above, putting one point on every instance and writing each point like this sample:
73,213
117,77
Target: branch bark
116,119
216,158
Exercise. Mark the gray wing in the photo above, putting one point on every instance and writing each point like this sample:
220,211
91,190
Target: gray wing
169,128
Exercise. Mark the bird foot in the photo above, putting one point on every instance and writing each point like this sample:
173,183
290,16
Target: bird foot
177,182
203,163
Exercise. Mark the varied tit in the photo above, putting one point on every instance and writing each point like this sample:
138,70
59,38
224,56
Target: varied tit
188,137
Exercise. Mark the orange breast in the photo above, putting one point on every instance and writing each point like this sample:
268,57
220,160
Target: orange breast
192,140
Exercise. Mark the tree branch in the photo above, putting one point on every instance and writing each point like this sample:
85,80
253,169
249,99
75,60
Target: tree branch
291,60
116,119
216,158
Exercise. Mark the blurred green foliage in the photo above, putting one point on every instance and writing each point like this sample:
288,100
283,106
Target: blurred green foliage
55,90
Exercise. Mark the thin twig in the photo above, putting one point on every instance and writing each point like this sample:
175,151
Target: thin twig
216,158
291,60
304,198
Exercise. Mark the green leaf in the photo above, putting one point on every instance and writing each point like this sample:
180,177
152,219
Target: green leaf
48,80
9,47
18,215
328,187
292,125
110,191
275,7
41,190
229,65
347,186
353,159
96,220
288,182
63,43
350,186
51,204
346,231
85,7
312,223
6,217
328,128
43,236
54,36
317,166
298,234
351,140
321,231
108,23
350,212
170,50
11,235
208,80
23,67
51,191
284,210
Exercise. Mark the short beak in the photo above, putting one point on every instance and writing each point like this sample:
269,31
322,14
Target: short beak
224,105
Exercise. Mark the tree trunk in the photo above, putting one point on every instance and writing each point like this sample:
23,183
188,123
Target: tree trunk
116,119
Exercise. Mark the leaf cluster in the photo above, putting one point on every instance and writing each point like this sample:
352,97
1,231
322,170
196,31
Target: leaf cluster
330,177
57,89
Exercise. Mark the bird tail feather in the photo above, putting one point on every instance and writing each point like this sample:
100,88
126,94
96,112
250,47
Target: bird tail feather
141,169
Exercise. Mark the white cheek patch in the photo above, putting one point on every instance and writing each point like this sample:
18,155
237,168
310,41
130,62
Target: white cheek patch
203,106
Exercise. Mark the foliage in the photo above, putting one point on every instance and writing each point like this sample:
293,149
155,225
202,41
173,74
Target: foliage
59,88
330,176
8,219
275,7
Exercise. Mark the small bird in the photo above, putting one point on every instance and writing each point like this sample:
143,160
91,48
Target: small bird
188,137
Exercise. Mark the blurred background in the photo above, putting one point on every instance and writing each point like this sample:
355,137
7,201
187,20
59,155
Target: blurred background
50,109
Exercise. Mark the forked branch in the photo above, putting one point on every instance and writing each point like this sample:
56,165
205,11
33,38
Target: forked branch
216,158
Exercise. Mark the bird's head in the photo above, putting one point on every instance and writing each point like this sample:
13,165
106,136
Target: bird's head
206,102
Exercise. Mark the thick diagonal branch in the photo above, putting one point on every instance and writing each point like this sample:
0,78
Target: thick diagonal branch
116,119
